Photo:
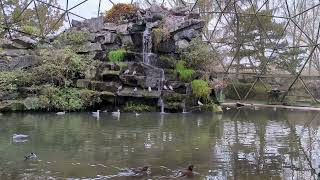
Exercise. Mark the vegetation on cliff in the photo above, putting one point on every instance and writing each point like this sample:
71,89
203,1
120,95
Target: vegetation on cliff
120,12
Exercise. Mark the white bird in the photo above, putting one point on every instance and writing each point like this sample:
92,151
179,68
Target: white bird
135,89
149,89
96,114
170,87
119,88
105,111
31,156
274,108
137,114
165,87
61,113
200,103
134,73
126,71
228,108
19,136
117,113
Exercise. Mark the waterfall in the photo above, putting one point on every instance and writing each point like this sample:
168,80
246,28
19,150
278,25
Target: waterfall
147,45
184,106
162,105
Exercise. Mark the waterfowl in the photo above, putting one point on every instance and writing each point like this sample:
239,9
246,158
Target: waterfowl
31,156
187,172
165,87
96,114
61,113
119,88
140,170
137,114
19,136
135,89
126,71
227,108
117,113
170,87
134,73
149,89
238,104
200,103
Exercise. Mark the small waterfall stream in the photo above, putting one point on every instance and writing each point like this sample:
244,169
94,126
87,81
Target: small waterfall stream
147,45
146,52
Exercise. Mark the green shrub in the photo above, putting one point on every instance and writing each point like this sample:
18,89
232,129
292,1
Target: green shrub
134,107
72,37
30,30
67,99
200,89
117,55
200,56
184,73
89,97
120,12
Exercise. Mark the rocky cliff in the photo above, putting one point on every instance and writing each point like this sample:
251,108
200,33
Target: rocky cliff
102,65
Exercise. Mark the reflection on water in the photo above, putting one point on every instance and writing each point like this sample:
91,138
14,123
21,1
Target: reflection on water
246,144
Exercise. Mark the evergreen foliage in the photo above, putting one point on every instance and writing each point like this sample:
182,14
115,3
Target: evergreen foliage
200,89
117,55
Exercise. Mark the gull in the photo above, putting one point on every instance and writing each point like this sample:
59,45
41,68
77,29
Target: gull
134,73
61,113
165,87
274,108
96,114
149,89
126,71
200,103
137,114
119,88
31,156
135,89
116,113
228,108
19,136
170,87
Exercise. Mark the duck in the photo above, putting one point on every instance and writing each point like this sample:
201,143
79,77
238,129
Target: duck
19,136
137,114
61,113
134,73
96,114
227,108
238,104
140,170
31,156
116,113
187,172
170,87
149,89
135,89
200,103
165,87
126,71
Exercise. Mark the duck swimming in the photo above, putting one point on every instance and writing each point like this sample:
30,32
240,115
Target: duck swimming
31,156
187,172
140,170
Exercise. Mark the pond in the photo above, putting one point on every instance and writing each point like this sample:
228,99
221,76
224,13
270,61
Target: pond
238,144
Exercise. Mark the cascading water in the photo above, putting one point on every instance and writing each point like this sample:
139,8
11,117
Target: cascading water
161,105
147,45
184,106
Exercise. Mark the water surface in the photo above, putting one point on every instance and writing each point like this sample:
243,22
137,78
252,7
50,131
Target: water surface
238,144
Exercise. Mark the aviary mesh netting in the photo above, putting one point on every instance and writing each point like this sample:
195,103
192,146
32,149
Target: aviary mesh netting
265,45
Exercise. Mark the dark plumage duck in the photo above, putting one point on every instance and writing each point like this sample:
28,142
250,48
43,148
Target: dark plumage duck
140,170
31,156
187,172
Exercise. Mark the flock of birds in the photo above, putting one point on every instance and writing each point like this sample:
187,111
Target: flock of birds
149,88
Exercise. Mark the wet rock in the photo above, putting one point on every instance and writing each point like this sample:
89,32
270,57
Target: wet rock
20,62
13,105
97,85
25,41
13,52
105,37
129,92
89,47
92,25
187,35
